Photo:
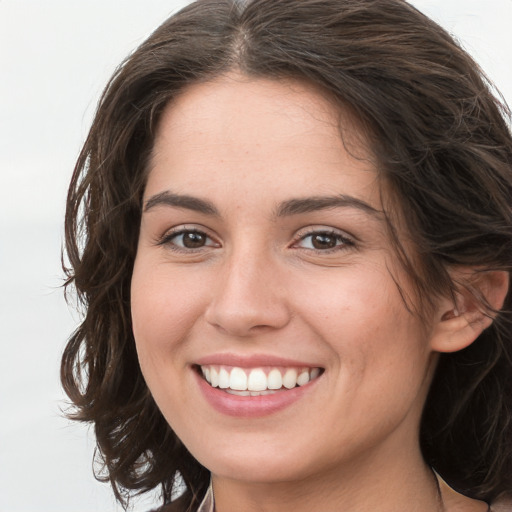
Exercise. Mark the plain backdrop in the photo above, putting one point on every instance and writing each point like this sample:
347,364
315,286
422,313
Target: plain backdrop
55,58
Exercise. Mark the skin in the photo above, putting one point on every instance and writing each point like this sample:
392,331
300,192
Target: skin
259,285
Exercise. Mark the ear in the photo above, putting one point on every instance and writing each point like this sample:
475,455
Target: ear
458,325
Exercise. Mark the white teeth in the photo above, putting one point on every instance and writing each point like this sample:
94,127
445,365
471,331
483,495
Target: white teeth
223,379
290,378
238,393
214,374
315,372
238,379
303,378
257,380
274,379
250,393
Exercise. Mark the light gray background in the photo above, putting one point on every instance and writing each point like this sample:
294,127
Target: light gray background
55,58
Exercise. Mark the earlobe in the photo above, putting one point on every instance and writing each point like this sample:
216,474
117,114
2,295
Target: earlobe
476,304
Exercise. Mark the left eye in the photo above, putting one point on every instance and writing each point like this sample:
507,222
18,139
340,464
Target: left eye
323,240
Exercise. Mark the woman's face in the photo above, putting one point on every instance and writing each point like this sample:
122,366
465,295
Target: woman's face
264,262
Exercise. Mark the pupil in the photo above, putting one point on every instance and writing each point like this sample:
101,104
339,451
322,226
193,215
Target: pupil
324,241
193,240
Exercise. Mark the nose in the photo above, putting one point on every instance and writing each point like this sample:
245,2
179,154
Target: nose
249,297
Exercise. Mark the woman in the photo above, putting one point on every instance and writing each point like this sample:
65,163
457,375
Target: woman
291,229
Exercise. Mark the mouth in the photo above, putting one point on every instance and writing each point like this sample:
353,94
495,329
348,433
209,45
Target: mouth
258,381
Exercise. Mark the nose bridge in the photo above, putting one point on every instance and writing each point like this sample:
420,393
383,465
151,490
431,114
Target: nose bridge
249,293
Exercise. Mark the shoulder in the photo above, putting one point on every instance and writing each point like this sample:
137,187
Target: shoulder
503,504
179,505
183,503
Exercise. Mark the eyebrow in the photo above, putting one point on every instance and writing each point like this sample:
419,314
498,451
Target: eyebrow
312,204
284,209
181,201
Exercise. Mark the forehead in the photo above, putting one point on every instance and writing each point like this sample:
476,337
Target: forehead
234,92
283,134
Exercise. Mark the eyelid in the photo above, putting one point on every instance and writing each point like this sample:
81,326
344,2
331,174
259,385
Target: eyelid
170,234
347,239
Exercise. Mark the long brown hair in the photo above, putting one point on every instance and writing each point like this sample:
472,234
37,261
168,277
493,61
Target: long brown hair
444,150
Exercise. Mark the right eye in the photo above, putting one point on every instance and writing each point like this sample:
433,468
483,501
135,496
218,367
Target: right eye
187,239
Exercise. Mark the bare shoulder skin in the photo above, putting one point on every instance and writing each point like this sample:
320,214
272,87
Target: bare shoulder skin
453,501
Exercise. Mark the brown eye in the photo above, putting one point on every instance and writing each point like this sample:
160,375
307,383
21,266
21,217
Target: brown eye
324,241
193,239
187,239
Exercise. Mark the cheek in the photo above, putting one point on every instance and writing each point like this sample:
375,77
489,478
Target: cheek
161,320
354,302
162,312
377,343
159,326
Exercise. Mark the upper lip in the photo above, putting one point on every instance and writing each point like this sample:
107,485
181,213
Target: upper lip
252,361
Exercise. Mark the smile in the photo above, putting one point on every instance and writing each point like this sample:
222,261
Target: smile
257,381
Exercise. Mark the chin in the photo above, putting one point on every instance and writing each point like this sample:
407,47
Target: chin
256,465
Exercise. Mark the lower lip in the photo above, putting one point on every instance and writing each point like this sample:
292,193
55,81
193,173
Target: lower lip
251,406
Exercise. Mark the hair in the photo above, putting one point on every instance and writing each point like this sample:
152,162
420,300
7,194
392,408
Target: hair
440,136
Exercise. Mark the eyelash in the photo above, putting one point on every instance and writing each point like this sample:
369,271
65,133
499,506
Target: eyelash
168,240
342,241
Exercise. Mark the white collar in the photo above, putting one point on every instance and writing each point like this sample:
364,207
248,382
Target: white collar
207,505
